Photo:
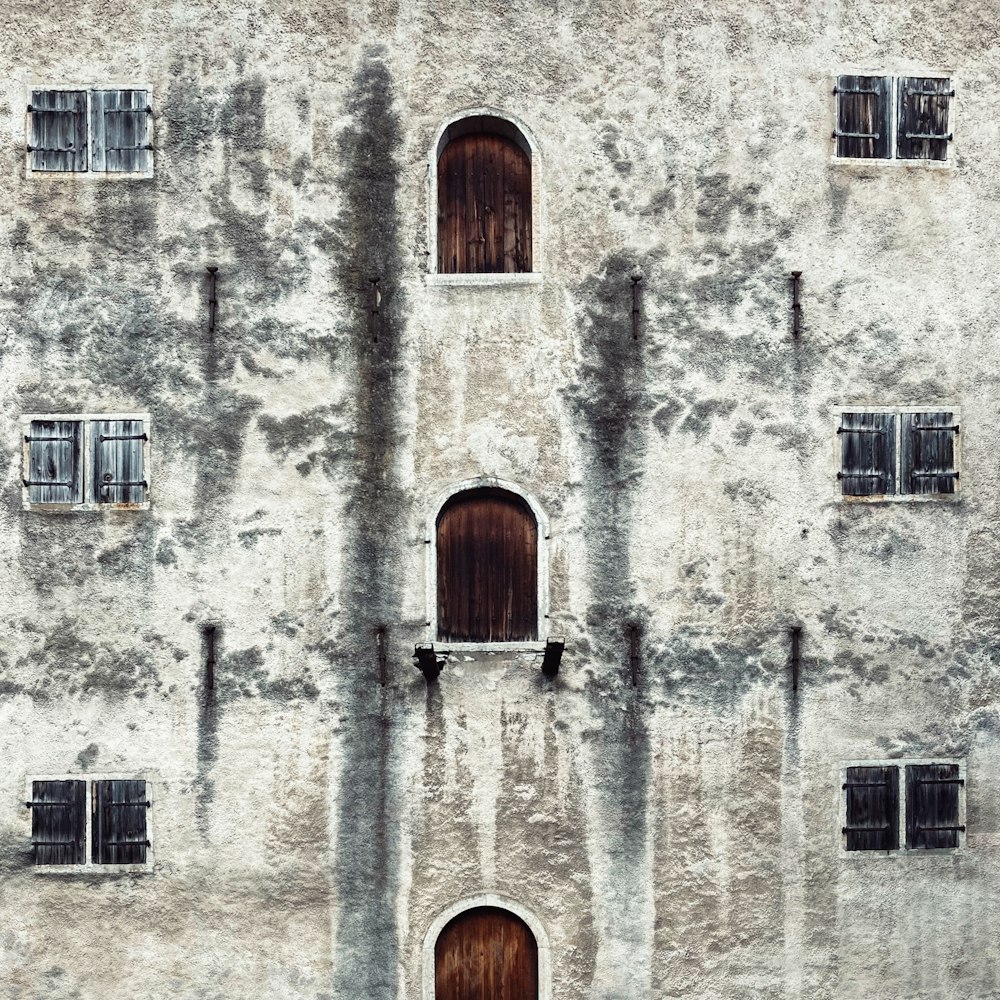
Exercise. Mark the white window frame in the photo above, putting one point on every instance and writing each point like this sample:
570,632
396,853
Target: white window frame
533,277
89,865
892,161
961,486
88,504
900,763
88,174
542,569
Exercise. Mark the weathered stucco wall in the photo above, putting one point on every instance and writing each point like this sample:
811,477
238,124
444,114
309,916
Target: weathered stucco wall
680,839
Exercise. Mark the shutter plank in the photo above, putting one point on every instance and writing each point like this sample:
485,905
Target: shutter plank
928,453
118,467
932,802
872,813
868,454
54,453
58,819
59,130
863,110
923,109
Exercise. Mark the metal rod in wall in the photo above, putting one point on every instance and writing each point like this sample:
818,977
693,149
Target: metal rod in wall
636,279
209,632
376,309
633,653
796,634
381,645
213,302
796,304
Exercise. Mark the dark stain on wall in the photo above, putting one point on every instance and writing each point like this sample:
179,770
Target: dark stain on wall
612,405
367,243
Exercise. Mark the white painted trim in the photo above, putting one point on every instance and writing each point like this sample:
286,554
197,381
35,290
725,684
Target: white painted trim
961,486
537,250
89,867
89,504
430,538
900,764
475,902
88,174
892,161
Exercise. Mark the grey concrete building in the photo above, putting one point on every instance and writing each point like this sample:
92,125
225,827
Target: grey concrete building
500,350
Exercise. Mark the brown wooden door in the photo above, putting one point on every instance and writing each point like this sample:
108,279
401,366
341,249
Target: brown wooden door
486,954
484,205
487,568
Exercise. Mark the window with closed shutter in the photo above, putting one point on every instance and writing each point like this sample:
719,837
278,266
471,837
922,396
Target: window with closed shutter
923,105
863,112
484,954
487,568
58,822
118,824
872,814
119,131
118,467
927,459
484,204
932,805
58,139
54,460
867,454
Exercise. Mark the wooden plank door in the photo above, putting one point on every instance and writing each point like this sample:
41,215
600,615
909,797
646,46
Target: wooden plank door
487,568
486,954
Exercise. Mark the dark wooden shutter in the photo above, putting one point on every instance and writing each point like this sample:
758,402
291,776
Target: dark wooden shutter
119,131
484,205
487,568
486,954
58,130
872,808
927,458
863,116
119,476
867,454
922,119
58,822
55,469
932,805
119,823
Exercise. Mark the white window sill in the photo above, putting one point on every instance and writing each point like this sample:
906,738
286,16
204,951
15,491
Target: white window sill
489,647
883,163
496,280
947,498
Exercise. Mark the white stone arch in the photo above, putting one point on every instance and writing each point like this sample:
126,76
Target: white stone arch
542,523
522,135
448,914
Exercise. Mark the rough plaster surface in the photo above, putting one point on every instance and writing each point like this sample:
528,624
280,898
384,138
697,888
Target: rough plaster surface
676,840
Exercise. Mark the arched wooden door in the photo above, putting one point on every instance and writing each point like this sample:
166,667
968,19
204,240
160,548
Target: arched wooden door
484,205
486,954
487,568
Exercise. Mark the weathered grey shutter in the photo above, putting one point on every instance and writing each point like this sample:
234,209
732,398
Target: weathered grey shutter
58,822
119,476
119,131
58,129
119,834
932,805
54,473
867,454
863,116
872,808
927,458
922,118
